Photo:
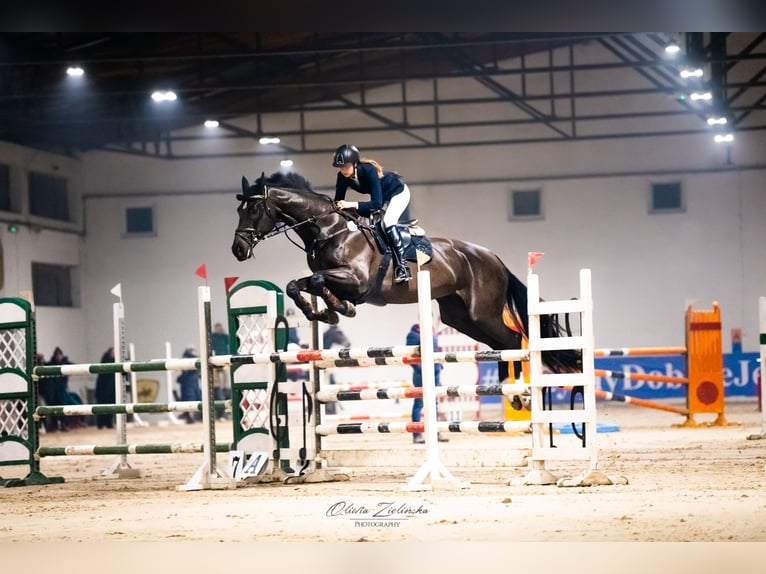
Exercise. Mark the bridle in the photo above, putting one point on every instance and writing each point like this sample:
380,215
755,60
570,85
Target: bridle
252,236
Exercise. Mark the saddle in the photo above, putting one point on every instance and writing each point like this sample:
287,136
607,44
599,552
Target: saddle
413,238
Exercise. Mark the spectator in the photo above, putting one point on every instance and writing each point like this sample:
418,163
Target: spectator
105,393
331,338
334,336
292,328
57,391
219,341
413,338
189,383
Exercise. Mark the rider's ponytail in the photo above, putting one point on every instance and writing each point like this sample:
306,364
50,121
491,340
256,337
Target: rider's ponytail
375,164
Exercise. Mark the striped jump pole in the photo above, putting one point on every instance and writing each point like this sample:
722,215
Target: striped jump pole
127,408
41,371
343,418
126,449
762,385
473,427
438,357
508,389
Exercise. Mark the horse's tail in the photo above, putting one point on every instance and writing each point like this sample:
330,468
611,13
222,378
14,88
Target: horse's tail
565,361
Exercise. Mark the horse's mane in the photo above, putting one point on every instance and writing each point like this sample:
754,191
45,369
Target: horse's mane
289,180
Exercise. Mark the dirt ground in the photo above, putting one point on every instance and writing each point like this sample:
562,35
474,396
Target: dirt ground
684,484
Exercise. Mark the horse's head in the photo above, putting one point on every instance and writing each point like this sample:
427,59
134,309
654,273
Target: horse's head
255,218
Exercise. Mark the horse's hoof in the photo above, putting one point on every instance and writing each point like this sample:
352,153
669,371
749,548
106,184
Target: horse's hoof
350,309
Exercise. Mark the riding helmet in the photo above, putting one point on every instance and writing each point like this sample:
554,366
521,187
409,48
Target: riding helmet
345,154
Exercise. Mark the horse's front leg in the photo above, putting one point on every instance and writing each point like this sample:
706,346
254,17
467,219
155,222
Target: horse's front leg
316,285
294,290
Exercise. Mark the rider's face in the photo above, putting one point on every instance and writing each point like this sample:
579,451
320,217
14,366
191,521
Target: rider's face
347,169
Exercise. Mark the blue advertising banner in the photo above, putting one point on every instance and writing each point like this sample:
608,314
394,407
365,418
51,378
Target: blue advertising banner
740,373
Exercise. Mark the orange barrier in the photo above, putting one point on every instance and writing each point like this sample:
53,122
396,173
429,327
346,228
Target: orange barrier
704,364
704,369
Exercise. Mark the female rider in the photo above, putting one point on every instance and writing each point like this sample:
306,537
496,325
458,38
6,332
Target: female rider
385,188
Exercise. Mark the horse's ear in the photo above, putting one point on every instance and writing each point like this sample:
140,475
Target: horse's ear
245,185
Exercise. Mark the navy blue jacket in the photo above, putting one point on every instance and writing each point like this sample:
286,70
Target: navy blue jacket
413,338
380,190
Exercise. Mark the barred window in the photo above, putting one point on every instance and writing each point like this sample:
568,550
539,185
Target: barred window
525,204
666,197
48,196
5,188
139,221
52,285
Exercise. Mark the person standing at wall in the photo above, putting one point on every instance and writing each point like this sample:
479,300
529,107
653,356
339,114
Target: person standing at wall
334,337
219,341
189,383
413,338
58,391
105,394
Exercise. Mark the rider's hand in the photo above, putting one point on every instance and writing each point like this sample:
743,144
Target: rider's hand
343,204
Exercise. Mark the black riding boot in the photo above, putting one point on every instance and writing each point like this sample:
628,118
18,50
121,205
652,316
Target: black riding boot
401,271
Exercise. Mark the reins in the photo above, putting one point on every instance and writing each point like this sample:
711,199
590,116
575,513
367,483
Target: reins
249,234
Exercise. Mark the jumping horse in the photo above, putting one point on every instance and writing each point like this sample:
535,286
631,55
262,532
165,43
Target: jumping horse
476,293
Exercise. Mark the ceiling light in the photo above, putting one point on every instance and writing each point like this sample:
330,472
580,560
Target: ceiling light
707,96
267,140
164,96
75,71
672,48
286,163
720,121
724,138
211,123
692,73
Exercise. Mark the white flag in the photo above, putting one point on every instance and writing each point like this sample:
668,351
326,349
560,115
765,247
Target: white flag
117,291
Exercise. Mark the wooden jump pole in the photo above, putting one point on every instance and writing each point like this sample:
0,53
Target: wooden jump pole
641,403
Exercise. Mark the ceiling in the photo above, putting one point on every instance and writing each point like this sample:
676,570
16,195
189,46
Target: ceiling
525,87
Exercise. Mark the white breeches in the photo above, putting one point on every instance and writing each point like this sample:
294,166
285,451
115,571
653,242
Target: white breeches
396,207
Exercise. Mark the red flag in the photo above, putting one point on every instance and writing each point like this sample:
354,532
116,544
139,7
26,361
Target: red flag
202,271
532,258
228,282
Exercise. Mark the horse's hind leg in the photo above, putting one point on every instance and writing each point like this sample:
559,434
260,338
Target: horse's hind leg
484,329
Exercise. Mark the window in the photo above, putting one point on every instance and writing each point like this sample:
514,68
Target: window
48,196
666,197
52,285
139,221
5,188
525,204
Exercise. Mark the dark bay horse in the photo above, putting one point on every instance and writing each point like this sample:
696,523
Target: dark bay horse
477,294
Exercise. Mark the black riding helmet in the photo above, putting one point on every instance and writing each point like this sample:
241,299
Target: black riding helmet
345,154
